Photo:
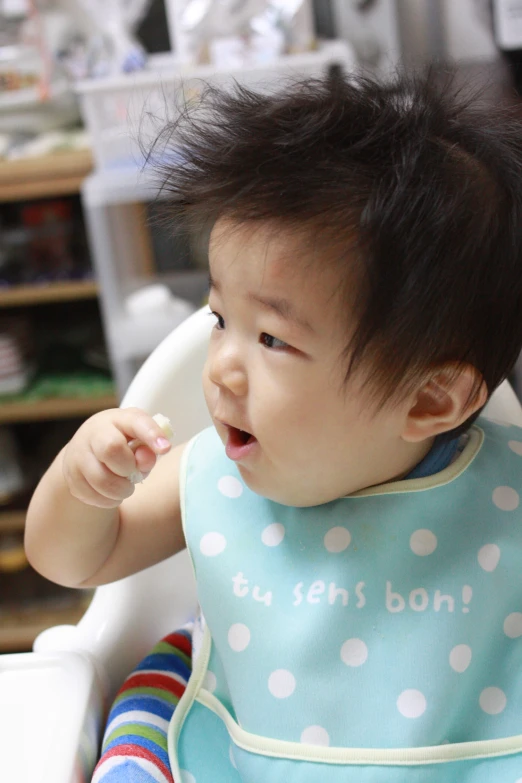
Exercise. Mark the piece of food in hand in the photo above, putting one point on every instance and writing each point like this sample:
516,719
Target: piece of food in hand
165,426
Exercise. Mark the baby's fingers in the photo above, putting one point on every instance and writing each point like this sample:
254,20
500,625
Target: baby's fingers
140,426
127,432
111,448
145,459
94,488
104,482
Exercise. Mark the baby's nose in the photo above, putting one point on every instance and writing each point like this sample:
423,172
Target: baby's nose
227,371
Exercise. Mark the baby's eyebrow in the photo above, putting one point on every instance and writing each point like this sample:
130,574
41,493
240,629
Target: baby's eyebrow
279,305
282,307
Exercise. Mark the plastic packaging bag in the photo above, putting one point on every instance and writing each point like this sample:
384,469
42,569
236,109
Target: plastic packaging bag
233,33
115,22
104,43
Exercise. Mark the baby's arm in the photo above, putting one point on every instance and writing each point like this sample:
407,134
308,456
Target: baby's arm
86,523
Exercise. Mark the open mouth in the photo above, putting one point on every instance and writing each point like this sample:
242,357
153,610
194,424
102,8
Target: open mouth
240,437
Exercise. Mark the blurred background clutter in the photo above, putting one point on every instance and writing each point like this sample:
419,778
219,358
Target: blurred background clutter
91,276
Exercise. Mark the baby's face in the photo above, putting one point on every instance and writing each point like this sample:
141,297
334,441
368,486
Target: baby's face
274,378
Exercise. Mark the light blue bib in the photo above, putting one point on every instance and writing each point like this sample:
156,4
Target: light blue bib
375,639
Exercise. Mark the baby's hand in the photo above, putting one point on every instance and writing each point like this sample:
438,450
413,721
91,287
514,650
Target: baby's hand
109,448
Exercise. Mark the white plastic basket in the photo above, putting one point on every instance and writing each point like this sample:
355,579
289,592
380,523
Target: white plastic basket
120,111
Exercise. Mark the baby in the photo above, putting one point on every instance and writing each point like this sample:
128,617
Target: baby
355,530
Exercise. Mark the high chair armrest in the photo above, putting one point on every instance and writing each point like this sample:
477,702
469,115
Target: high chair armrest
120,626
51,714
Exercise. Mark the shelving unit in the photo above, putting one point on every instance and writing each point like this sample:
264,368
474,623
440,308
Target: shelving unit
60,174
55,408
50,292
12,521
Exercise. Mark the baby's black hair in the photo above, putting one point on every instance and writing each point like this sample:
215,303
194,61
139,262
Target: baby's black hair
418,188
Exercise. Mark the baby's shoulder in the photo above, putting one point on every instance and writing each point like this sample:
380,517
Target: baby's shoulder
500,435
499,459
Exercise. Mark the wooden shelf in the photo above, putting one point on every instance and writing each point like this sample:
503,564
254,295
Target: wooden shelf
50,292
56,408
59,174
55,175
20,627
11,521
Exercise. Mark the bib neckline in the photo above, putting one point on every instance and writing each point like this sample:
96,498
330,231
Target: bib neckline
449,474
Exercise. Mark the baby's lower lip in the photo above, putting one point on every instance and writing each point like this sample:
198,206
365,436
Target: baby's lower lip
236,449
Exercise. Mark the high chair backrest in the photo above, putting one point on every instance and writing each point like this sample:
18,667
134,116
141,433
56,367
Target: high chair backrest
126,618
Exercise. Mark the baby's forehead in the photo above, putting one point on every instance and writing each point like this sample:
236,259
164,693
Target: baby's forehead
269,261
287,250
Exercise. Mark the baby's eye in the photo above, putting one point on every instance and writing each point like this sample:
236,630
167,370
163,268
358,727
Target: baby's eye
270,341
220,320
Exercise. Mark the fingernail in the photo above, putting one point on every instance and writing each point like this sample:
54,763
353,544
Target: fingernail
162,443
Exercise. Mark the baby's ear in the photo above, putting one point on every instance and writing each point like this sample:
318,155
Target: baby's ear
448,397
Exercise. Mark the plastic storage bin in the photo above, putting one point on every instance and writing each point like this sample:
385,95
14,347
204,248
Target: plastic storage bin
120,111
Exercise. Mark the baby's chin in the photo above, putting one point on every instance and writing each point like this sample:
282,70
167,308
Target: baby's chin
262,486
284,495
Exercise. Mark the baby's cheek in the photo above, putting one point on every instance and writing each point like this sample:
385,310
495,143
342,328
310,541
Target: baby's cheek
209,391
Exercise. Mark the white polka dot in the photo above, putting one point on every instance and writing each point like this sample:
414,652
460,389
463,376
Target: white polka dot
238,637
210,682
519,780
506,498
411,703
281,683
273,534
460,658
513,625
231,756
354,652
212,544
492,700
187,777
423,542
488,557
315,735
230,486
337,539
516,446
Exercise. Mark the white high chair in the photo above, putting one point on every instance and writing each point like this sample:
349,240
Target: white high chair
84,665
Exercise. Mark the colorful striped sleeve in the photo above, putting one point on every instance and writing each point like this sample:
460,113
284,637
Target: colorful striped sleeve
134,748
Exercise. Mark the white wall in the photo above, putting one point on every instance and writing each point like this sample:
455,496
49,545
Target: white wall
420,29
468,31
374,34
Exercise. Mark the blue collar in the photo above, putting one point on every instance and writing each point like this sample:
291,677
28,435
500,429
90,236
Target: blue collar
437,458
